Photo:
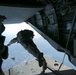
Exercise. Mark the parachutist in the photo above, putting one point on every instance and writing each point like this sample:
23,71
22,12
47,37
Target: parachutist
25,38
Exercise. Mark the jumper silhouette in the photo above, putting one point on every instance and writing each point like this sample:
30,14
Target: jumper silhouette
25,38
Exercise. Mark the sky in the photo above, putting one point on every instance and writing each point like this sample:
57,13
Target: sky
18,54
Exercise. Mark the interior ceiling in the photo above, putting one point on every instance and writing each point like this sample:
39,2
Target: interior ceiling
19,11
17,14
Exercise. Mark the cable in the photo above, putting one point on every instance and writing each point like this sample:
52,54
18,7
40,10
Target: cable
62,62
